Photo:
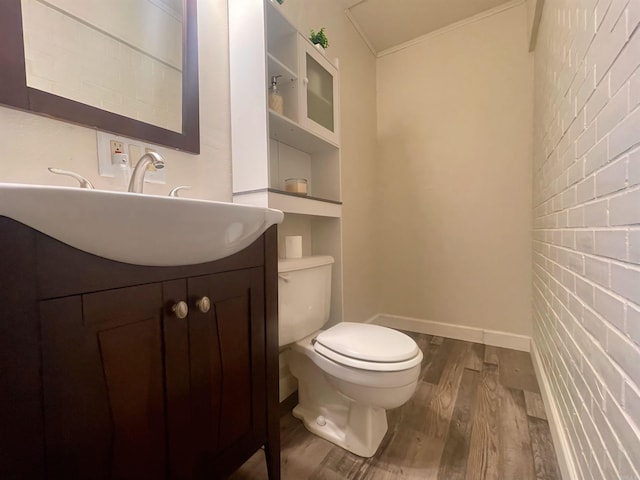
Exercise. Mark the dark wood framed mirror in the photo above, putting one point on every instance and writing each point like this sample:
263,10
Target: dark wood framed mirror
17,91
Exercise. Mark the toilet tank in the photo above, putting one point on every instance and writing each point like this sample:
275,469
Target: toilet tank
304,296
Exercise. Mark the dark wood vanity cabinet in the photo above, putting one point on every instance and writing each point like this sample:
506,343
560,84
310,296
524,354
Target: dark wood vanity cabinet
114,384
103,384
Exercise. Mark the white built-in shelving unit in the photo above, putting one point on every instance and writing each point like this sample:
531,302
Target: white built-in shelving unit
302,142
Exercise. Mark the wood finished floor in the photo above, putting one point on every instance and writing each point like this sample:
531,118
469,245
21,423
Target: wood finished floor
476,414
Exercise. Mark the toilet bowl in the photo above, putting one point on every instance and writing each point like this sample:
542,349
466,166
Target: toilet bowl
349,374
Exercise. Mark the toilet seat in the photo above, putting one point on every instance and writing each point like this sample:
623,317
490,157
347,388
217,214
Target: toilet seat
368,347
367,377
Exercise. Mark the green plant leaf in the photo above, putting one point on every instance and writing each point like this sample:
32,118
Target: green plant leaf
319,38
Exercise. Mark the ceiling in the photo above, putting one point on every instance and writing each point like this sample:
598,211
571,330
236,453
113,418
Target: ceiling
386,24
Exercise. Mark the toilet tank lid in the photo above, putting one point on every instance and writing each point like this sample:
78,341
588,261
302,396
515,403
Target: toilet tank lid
291,264
368,342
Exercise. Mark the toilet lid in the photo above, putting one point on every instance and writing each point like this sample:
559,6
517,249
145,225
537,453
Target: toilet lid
366,343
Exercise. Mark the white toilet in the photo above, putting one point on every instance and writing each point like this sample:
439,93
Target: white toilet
347,375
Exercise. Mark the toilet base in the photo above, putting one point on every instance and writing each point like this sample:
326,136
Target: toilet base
358,429
327,413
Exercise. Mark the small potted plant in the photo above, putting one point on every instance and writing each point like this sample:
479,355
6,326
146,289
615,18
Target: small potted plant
319,39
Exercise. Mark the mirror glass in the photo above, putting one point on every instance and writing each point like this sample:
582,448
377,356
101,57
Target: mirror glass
121,56
139,79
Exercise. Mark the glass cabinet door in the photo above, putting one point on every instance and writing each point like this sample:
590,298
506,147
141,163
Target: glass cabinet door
319,93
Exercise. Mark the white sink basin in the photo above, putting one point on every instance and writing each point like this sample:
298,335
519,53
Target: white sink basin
134,228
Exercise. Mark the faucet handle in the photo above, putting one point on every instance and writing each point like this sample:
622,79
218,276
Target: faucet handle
84,183
174,192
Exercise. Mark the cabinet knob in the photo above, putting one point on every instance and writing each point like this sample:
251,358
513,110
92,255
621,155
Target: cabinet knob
181,309
204,304
305,80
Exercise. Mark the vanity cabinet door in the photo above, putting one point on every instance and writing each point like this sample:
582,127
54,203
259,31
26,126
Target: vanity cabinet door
227,352
103,385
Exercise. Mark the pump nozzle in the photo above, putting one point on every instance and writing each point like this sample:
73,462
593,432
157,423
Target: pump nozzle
275,98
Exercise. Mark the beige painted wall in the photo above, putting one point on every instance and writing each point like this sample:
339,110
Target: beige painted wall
358,148
531,13
455,138
32,143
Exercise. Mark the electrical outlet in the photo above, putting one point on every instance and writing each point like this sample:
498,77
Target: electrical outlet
107,146
116,147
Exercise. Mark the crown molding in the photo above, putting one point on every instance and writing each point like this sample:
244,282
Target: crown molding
454,26
360,31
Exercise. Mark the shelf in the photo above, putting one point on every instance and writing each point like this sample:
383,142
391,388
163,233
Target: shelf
276,67
281,36
277,22
290,202
290,133
302,195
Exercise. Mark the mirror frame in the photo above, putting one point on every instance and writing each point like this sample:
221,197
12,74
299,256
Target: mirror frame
14,91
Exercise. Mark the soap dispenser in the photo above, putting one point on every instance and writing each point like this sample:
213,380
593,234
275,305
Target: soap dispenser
275,97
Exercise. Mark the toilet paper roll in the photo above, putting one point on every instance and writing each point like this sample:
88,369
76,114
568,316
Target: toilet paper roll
293,246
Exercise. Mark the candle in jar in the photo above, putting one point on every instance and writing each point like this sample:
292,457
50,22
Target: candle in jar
296,185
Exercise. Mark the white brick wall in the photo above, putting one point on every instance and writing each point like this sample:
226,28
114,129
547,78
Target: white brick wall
587,227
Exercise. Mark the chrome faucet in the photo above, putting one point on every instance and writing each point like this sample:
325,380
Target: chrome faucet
137,177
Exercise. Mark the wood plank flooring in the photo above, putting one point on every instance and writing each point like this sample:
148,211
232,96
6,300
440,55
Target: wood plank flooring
477,414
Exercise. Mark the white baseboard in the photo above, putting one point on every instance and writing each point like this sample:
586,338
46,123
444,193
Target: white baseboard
459,332
558,433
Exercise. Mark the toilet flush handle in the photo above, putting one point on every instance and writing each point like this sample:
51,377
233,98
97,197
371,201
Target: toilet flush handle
283,276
